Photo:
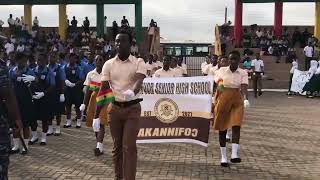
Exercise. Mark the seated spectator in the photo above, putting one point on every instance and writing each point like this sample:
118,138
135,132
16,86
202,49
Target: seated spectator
20,47
271,50
259,35
246,39
247,64
134,48
9,46
284,44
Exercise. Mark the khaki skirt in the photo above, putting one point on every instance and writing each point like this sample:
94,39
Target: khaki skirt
229,109
91,110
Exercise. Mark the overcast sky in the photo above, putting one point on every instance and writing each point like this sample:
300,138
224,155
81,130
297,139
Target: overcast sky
178,19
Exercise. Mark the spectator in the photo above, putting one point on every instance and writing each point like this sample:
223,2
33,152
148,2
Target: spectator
124,23
258,70
247,64
225,29
9,46
153,23
105,30
259,34
20,47
86,25
304,37
114,29
134,48
296,36
1,24
293,68
107,48
74,24
308,52
246,39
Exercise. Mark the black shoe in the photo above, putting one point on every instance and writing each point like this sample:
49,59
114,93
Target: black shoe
224,164
49,134
97,152
14,151
78,127
43,143
236,160
228,139
33,142
24,152
67,126
260,93
57,134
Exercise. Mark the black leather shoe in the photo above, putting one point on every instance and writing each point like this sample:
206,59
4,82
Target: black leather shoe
97,152
78,127
14,151
67,126
236,160
57,134
32,142
49,134
260,93
43,143
224,164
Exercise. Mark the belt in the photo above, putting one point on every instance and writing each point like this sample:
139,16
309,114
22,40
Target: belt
128,103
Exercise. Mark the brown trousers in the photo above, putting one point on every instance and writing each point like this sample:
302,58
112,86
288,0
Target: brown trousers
124,127
257,82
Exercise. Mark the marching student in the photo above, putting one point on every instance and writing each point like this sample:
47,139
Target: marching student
294,67
58,92
212,65
22,77
73,90
310,86
92,83
174,66
42,98
204,66
231,85
165,71
151,66
90,65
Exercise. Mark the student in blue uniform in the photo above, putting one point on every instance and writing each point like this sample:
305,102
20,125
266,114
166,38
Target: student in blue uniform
42,98
73,90
22,77
62,59
58,93
90,66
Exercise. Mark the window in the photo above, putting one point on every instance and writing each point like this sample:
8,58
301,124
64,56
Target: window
177,51
202,49
189,51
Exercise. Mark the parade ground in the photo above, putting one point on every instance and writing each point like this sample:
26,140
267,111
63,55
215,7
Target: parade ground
279,140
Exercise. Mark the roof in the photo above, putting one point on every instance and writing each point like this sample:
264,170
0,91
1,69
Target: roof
271,1
40,2
167,41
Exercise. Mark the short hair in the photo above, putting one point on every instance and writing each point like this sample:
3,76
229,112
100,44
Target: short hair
127,32
73,55
236,53
19,56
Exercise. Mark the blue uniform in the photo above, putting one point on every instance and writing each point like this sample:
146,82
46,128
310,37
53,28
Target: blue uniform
58,71
74,95
88,67
24,94
46,80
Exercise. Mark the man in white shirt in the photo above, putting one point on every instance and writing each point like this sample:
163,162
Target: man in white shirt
204,66
182,66
9,46
308,52
36,21
258,70
166,71
178,70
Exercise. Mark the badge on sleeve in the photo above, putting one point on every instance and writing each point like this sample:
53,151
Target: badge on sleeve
73,71
43,77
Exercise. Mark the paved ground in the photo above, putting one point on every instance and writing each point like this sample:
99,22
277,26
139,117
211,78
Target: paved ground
280,140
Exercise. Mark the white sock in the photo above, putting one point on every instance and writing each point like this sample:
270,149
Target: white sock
44,137
234,150
68,122
223,151
26,143
16,144
50,129
58,131
100,146
79,122
34,135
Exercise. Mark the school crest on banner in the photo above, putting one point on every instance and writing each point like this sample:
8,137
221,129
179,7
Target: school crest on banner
176,110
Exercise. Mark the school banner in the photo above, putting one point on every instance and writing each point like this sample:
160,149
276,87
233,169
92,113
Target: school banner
176,110
299,80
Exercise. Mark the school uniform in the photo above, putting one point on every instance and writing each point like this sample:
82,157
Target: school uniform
311,86
93,81
179,71
257,75
204,68
161,73
294,67
88,68
58,72
229,108
74,95
151,68
23,94
43,106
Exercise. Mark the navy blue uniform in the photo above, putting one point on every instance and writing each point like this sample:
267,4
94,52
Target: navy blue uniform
4,127
74,95
23,94
60,76
46,80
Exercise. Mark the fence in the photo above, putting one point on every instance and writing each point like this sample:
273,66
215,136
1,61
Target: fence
194,65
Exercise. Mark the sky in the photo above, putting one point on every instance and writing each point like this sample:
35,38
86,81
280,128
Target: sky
178,20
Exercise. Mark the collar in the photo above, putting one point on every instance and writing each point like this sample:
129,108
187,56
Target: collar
236,71
130,59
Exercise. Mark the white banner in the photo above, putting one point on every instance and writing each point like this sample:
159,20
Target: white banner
299,80
176,110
